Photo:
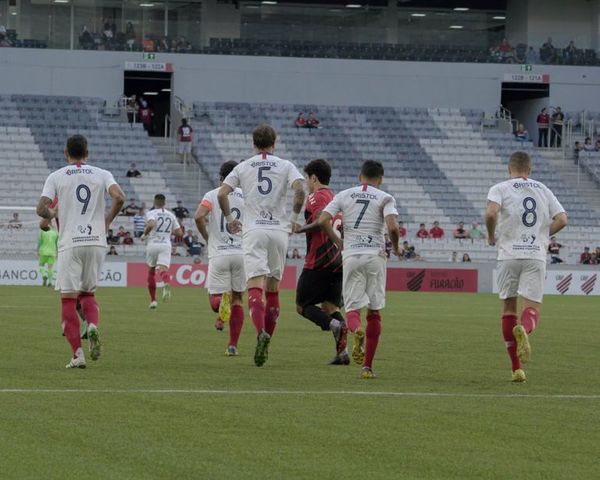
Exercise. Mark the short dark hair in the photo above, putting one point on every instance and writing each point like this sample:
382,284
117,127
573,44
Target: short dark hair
184,121
372,169
520,162
264,136
226,169
77,147
159,198
320,168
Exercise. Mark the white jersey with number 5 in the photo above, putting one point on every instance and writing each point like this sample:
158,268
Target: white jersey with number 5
364,209
264,180
527,208
163,229
220,240
80,191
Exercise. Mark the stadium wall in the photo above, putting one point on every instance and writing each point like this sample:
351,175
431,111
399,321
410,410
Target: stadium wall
291,80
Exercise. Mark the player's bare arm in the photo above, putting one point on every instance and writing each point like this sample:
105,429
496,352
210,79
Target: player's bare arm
491,218
558,223
178,232
118,199
235,226
325,222
150,224
311,227
391,222
200,218
43,208
299,196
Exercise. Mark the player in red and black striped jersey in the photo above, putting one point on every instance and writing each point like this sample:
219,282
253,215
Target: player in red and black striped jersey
321,280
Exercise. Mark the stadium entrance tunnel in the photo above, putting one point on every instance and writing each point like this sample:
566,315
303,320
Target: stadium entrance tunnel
155,89
525,101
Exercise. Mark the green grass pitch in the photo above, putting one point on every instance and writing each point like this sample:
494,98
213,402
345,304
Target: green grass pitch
168,404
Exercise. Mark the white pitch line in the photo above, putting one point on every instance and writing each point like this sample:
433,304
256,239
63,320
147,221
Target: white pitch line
301,393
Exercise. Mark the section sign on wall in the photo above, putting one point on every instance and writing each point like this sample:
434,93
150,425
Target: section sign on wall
527,77
566,282
149,66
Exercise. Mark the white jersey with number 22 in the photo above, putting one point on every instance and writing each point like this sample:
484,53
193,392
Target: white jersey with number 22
163,229
527,208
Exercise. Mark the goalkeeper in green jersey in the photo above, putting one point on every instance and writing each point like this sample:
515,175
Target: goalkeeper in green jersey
47,251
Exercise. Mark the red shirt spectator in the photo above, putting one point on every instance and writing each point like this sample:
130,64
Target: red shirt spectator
422,232
436,231
300,121
586,257
402,230
128,240
185,131
146,115
543,119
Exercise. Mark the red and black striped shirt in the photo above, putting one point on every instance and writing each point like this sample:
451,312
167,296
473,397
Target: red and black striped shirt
321,253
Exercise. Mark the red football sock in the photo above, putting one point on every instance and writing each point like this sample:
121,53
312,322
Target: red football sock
353,320
165,277
530,318
91,310
70,322
272,312
257,308
508,323
215,302
373,332
235,324
152,285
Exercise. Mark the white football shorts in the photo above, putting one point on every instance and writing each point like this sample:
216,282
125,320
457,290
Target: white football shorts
157,254
521,277
226,273
364,282
264,252
78,269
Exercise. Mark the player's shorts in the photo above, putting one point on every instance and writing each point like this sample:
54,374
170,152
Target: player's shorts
226,273
364,282
158,254
521,277
264,252
316,287
47,259
184,147
78,269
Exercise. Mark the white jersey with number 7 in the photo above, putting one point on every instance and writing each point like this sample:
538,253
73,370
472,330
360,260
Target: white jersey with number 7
80,190
527,208
364,209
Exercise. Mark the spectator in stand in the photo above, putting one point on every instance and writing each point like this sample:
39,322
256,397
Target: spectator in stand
15,222
112,250
521,134
146,115
597,146
460,231
402,230
181,212
183,46
543,123
532,57
454,257
570,53
466,258
130,36
300,121
587,145
576,151
411,254
188,239
558,118
111,238
133,172
132,109
595,259
436,231
163,45
422,232
295,253
475,233
548,52
139,222
4,42
312,121
504,52
554,251
86,41
598,252
121,233
184,138
405,248
195,247
586,257
127,240
131,209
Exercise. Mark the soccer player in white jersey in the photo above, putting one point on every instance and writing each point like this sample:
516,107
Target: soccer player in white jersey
366,211
80,190
264,180
160,225
521,215
226,280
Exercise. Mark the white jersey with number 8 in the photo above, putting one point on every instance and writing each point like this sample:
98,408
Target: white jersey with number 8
364,209
527,208
163,229
264,180
80,190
